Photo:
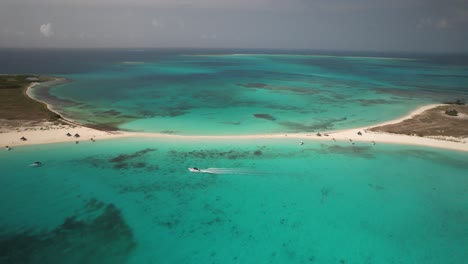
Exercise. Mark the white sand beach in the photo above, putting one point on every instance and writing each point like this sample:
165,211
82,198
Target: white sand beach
50,133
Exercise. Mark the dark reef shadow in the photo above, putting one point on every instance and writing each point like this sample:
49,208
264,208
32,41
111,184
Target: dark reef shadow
355,151
104,237
319,125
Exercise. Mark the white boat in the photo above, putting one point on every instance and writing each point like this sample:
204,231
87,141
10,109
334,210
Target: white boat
199,171
36,164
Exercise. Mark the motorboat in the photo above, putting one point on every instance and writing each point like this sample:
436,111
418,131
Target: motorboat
194,169
36,164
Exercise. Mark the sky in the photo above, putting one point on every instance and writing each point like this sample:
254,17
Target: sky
354,25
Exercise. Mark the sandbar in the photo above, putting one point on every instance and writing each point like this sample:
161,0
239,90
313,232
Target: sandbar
52,132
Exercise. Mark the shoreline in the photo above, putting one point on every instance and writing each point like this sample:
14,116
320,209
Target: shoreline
49,133
51,108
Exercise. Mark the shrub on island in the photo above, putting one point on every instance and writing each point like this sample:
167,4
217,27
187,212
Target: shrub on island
451,112
456,102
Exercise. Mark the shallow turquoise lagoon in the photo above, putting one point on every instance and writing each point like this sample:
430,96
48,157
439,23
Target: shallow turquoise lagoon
134,201
244,94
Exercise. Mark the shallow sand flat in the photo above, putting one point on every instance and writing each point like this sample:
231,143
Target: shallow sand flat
58,134
352,136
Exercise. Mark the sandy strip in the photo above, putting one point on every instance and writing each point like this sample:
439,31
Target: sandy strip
55,134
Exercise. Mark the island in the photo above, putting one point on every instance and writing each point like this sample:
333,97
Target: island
25,121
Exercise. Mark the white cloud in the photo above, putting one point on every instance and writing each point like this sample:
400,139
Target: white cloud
424,23
155,23
428,22
442,24
46,30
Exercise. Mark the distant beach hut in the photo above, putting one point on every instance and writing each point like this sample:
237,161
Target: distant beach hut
23,139
319,135
77,135
359,133
68,135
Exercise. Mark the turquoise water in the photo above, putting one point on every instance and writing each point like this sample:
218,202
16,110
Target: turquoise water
244,94
134,201
273,201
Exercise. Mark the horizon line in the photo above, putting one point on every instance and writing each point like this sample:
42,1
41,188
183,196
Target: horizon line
241,48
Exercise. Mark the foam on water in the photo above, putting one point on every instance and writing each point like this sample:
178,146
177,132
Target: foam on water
229,171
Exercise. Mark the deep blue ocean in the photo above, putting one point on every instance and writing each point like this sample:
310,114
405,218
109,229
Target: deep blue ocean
272,200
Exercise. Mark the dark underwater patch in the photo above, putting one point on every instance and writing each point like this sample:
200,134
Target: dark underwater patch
231,123
320,125
111,112
444,76
274,88
325,193
370,102
164,112
214,63
127,161
253,85
433,157
123,161
106,238
124,157
213,154
352,150
170,132
265,116
396,92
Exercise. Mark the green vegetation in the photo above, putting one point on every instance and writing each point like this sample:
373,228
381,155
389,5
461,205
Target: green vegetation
456,102
451,112
16,105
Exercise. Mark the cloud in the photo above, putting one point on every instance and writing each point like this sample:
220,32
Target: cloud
424,23
156,23
46,30
152,3
442,24
428,22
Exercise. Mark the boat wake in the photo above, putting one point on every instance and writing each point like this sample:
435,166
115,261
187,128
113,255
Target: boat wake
227,171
